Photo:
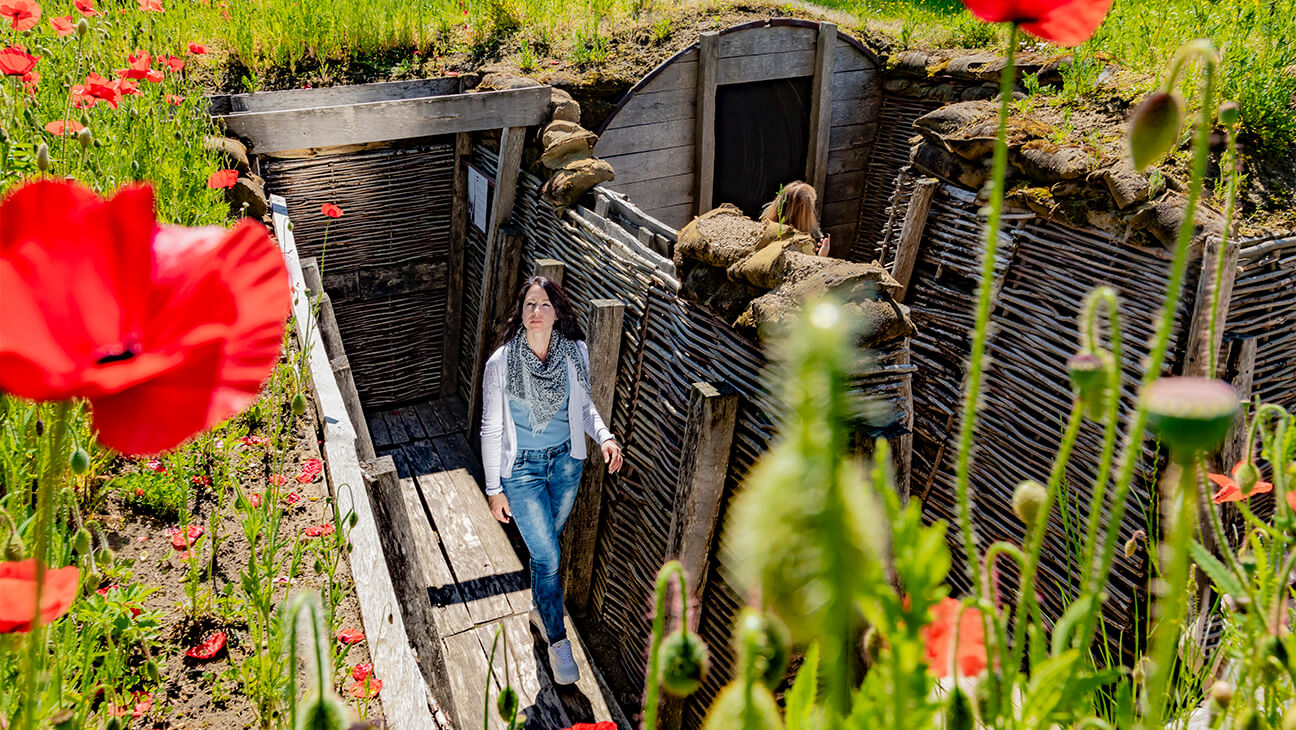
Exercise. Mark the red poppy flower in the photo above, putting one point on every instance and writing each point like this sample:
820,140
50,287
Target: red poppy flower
255,500
1065,22
278,480
360,671
185,539
140,707
292,498
970,656
603,725
331,210
201,480
63,26
152,6
63,126
183,324
1231,491
155,466
209,648
174,100
139,63
127,87
16,61
21,14
222,179
154,76
18,586
104,591
174,64
86,7
254,440
310,470
366,690
30,80
318,530
197,49
350,636
96,89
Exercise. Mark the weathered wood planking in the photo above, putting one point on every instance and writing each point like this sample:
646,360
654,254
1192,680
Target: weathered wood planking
660,106
378,430
849,112
848,159
468,677
662,192
647,166
413,426
529,675
433,426
842,211
455,265
766,67
269,101
844,186
821,112
380,121
855,84
645,137
681,73
850,136
704,130
405,692
396,427
386,281
911,234
676,216
764,41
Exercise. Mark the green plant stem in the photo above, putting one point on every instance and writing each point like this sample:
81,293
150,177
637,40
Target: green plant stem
1027,606
975,359
56,460
1160,341
1229,164
1105,296
659,624
1180,518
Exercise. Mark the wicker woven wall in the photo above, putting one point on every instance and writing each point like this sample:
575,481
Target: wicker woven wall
667,344
1264,307
396,204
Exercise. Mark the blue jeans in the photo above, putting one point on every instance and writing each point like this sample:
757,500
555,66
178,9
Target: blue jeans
541,491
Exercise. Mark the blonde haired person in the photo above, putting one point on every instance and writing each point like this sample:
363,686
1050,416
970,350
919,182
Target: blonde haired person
795,206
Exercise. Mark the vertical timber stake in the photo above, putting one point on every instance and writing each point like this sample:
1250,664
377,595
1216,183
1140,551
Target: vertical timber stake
704,133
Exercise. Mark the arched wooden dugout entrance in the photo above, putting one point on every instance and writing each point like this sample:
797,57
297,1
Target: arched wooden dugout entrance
720,122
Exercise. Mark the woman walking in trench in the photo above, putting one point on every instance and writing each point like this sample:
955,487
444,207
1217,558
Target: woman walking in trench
536,410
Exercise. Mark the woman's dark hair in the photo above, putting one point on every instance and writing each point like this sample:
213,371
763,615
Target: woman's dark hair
567,322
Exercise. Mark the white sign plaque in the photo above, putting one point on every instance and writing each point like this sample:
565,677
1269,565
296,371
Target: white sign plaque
478,192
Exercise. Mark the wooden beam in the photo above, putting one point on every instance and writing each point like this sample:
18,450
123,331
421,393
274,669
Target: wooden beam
551,269
330,331
404,690
704,134
509,270
455,265
911,233
512,140
577,543
351,399
902,458
266,101
1200,343
704,464
372,282
408,544
821,113
381,121
311,273
1241,373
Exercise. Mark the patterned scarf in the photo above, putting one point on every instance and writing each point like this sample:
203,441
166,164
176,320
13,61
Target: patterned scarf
542,385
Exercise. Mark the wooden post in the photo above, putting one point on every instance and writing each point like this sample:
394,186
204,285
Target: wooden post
551,269
455,291
704,134
704,464
1200,344
406,536
578,542
1242,357
911,233
509,272
821,113
506,177
311,274
351,399
329,329
902,459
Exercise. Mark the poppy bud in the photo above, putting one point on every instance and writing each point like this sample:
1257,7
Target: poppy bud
873,643
322,713
1273,658
772,640
42,157
151,671
1230,113
1246,475
319,566
82,27
685,661
1088,372
79,461
959,714
113,724
1154,128
13,547
1140,671
104,559
298,404
507,703
81,541
353,518
727,712
1221,693
1132,545
62,719
1027,500
1190,414
85,138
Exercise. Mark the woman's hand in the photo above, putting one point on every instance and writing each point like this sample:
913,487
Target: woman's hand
821,248
612,456
499,506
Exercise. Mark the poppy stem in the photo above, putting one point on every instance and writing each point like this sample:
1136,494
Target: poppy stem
1229,165
653,691
1179,504
977,356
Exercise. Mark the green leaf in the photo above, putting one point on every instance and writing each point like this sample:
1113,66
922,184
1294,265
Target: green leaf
1047,688
800,699
1218,572
1065,626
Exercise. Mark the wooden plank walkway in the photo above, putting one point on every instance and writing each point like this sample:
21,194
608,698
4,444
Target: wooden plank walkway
480,582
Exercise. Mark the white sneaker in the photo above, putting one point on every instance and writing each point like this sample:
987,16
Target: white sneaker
563,665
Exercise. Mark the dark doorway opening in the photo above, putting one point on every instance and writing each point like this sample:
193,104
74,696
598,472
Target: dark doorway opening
762,130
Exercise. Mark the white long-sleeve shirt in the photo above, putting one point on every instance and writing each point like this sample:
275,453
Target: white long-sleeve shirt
499,433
